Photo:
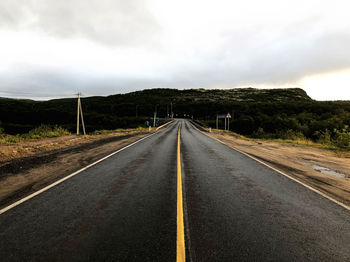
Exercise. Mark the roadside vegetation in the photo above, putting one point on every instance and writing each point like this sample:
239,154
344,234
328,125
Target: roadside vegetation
138,129
43,131
332,139
290,138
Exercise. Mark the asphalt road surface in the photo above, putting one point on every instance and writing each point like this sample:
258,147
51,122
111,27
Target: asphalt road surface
125,209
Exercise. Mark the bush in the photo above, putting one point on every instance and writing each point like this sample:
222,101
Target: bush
1,129
291,135
46,131
260,133
8,139
323,137
342,137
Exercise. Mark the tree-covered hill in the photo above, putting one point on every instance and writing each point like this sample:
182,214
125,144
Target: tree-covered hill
256,112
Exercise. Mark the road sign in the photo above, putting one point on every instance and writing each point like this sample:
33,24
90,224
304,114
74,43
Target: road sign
221,116
228,115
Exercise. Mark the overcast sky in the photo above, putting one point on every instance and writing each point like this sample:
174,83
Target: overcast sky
51,48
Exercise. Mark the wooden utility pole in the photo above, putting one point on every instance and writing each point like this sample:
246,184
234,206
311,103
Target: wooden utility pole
80,112
82,118
154,119
171,110
155,116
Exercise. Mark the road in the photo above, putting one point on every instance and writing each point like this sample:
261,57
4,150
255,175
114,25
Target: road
125,208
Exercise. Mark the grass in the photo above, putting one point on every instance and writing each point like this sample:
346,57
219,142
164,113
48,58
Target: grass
339,151
40,132
45,131
304,142
138,129
229,133
10,139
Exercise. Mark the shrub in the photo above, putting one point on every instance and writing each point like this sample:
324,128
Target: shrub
259,133
291,135
8,139
342,137
323,137
46,131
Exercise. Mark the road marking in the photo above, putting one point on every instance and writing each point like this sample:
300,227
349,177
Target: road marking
180,237
5,209
280,172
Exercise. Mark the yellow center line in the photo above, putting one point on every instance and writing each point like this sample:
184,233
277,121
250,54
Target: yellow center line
180,237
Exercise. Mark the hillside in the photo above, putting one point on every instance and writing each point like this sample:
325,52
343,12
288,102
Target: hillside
226,95
19,115
255,112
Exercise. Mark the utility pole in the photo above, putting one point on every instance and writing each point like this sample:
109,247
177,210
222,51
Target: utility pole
154,119
80,112
217,122
171,109
155,116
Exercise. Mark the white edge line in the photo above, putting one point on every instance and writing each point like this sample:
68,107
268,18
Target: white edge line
280,172
68,177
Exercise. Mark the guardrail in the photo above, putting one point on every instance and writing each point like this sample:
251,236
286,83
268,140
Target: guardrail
167,123
199,126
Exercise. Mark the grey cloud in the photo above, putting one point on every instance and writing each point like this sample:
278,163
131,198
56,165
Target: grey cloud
255,55
115,22
43,83
282,60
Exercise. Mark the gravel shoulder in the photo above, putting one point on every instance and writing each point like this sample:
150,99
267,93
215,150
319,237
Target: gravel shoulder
319,168
29,166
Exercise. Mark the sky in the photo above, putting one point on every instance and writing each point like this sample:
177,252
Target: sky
51,49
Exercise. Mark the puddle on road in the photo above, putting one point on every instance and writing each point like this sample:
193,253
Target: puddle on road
327,171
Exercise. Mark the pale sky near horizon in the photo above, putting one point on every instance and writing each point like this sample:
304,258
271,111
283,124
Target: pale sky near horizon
51,49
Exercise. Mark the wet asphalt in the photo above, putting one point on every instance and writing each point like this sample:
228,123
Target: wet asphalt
124,209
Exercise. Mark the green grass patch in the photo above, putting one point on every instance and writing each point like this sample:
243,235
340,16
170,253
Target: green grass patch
340,144
105,131
43,131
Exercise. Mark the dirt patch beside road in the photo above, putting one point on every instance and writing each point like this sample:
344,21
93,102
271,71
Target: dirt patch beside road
319,168
29,166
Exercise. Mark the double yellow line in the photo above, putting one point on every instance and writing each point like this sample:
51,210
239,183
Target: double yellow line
180,237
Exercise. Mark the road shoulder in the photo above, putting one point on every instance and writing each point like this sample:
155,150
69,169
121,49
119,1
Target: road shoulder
300,162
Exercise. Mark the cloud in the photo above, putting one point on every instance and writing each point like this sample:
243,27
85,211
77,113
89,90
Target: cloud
103,46
281,60
114,22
